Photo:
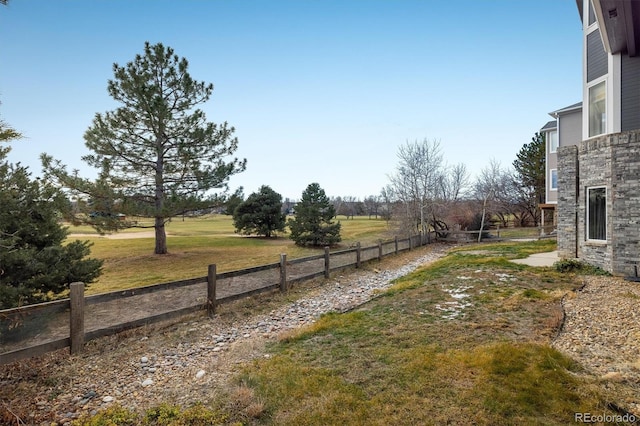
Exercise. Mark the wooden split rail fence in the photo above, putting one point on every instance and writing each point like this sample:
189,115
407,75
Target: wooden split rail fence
38,329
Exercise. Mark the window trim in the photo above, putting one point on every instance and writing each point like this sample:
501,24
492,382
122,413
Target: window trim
606,218
599,81
589,12
553,150
551,187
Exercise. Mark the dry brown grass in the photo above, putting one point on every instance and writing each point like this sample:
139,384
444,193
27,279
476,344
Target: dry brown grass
398,361
198,242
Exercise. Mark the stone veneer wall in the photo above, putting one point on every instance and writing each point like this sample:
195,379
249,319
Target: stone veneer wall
612,161
567,201
594,159
625,222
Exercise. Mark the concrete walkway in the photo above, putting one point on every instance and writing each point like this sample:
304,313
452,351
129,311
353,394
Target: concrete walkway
539,259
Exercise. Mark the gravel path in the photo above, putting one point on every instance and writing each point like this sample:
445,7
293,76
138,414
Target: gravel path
193,361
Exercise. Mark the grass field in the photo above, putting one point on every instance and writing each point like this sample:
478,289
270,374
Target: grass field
464,341
194,243
404,359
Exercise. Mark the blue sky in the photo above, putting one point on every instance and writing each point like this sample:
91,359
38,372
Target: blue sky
318,91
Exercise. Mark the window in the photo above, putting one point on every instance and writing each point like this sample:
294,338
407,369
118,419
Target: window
553,179
592,15
597,213
597,109
553,141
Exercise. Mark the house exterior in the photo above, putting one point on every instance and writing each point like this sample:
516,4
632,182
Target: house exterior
564,130
548,218
598,195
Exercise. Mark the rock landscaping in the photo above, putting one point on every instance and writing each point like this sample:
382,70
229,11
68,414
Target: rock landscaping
195,360
191,361
602,332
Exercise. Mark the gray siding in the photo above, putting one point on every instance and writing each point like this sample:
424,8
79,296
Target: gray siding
596,57
630,93
592,15
570,128
552,163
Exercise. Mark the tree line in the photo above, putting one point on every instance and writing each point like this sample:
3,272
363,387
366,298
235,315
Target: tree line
426,194
312,225
157,156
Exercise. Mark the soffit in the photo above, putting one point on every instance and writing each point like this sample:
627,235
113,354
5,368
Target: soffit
620,23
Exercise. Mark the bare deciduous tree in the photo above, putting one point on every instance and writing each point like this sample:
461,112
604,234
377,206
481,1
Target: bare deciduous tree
486,188
425,186
372,205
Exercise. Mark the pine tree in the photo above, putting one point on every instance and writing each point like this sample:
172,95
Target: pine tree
35,262
530,167
530,177
312,225
157,154
260,214
233,201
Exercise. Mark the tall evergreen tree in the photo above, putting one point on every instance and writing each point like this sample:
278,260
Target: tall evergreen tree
233,201
35,261
312,224
157,154
530,166
260,214
530,176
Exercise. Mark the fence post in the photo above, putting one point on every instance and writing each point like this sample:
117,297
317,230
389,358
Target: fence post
498,230
283,272
211,291
76,323
326,262
379,250
396,241
358,254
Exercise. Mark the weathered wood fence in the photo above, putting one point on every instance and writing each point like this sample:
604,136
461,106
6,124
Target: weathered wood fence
37,329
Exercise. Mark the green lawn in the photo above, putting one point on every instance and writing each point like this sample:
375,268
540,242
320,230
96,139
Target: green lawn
194,243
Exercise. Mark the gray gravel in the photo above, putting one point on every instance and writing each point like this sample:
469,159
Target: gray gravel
602,332
206,353
194,361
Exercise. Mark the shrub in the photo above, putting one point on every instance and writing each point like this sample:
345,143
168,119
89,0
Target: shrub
579,267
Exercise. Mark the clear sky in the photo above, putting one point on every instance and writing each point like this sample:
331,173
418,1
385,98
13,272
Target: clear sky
318,90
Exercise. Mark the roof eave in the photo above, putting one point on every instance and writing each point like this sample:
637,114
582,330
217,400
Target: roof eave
619,23
570,108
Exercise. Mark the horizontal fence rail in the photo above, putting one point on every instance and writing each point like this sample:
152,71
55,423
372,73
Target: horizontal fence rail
37,329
